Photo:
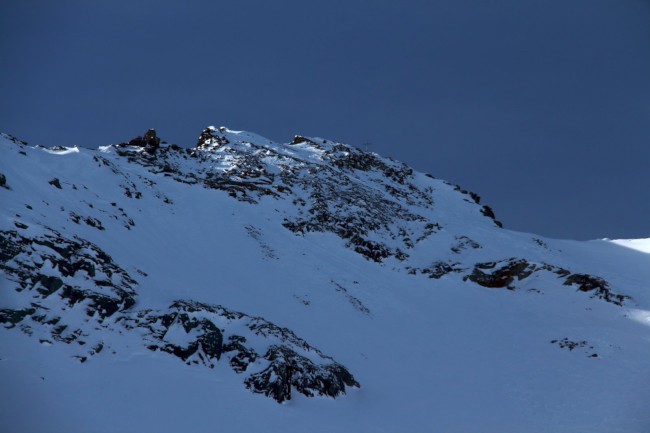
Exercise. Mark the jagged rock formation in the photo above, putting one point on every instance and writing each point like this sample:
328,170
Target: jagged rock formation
150,141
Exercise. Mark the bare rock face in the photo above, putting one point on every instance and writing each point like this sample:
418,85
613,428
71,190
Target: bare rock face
211,138
297,139
501,274
598,288
507,274
289,370
150,141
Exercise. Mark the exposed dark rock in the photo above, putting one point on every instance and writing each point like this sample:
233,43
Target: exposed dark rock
49,285
86,277
438,270
502,276
288,370
507,272
28,261
55,182
3,181
464,243
346,157
150,141
565,343
209,138
240,356
92,222
474,196
599,287
102,305
488,212
208,343
13,317
353,300
485,210
541,243
285,366
13,139
297,139
323,194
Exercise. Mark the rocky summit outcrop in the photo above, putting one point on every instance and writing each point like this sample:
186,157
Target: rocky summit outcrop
210,138
150,141
322,187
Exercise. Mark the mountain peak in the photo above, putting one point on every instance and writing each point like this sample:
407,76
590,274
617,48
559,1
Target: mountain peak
243,268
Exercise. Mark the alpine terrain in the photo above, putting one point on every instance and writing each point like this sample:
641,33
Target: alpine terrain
245,285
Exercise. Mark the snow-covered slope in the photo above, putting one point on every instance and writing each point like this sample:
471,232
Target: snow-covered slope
147,287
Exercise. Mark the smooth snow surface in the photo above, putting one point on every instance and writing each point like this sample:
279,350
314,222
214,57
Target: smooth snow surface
431,355
642,245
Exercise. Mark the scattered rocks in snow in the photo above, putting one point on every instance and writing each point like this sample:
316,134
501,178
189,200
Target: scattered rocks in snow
90,221
354,301
565,343
464,243
55,182
438,269
13,139
541,243
256,234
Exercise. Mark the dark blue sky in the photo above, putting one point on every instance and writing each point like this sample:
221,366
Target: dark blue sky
542,107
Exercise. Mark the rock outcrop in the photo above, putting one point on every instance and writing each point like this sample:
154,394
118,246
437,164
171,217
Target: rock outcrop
56,276
149,141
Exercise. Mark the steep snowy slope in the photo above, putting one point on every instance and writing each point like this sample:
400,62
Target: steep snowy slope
147,287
